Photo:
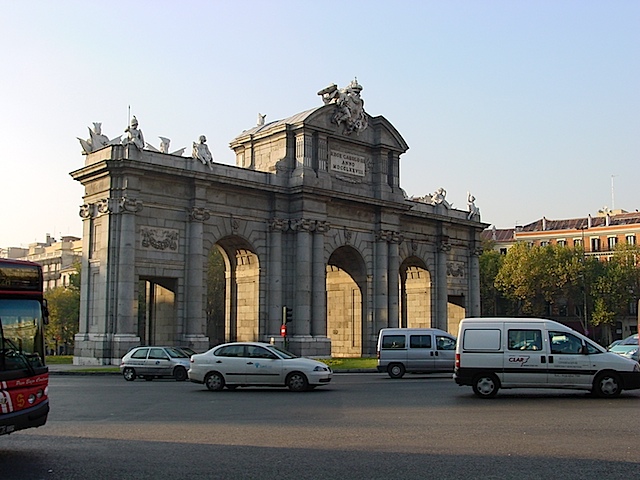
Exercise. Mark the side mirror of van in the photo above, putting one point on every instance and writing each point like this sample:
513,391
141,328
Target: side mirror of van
584,350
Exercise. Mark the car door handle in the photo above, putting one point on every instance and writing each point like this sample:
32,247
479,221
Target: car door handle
249,363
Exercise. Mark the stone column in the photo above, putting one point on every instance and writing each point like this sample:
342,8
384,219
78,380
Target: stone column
126,320
195,322
276,227
474,281
442,294
302,312
381,282
394,271
319,318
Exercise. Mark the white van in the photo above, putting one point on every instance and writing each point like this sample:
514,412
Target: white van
424,350
495,353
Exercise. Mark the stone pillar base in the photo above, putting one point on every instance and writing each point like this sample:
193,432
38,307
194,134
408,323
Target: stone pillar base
102,349
199,343
304,346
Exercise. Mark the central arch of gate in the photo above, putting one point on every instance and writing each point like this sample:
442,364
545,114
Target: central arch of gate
312,218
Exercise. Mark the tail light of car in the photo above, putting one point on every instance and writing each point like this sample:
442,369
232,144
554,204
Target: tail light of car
457,360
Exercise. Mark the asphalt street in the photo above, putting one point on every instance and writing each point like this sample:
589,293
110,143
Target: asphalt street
361,426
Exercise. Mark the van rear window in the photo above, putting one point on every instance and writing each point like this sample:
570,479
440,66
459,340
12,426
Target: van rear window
482,339
393,341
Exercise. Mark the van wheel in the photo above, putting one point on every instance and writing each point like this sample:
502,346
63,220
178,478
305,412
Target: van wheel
486,385
607,385
395,370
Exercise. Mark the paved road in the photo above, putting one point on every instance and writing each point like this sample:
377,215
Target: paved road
359,427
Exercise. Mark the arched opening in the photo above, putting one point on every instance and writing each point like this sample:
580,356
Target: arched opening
345,283
415,294
233,285
157,311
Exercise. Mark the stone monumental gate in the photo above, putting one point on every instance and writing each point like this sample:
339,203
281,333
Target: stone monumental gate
312,217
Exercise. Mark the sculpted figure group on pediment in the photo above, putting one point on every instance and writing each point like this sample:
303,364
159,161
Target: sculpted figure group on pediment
349,106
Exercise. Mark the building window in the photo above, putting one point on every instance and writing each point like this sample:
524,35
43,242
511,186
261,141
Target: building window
561,243
631,239
612,242
577,242
595,244
544,243
503,251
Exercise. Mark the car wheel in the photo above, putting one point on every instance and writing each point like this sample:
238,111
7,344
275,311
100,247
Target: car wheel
214,381
129,374
396,370
180,374
297,382
486,385
607,385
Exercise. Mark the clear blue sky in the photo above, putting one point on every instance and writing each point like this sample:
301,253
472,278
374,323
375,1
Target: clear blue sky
532,106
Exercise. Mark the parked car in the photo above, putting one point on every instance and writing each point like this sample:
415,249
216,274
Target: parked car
632,354
246,364
622,349
155,362
630,340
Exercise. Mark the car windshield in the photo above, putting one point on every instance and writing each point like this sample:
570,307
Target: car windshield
175,353
632,340
282,352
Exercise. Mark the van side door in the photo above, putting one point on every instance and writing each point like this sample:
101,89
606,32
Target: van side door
526,356
568,364
445,354
421,353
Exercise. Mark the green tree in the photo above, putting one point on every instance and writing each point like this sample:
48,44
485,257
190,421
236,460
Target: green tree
617,286
64,315
539,276
490,264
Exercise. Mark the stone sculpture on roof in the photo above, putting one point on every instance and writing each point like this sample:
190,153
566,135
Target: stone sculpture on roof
96,139
471,203
349,106
164,147
201,152
439,198
134,135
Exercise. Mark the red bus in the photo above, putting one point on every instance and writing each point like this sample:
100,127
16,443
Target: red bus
24,377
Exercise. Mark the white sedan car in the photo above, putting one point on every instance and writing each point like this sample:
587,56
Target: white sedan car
245,364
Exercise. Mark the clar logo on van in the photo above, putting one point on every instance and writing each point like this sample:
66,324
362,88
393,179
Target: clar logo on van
521,360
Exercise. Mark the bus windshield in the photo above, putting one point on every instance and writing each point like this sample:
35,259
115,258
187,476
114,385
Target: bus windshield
21,329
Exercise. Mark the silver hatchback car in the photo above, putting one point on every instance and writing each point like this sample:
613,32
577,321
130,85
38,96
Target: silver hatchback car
155,362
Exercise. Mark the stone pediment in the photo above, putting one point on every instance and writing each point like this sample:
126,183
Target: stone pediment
380,132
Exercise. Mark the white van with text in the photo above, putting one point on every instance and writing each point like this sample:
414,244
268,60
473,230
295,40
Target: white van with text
494,353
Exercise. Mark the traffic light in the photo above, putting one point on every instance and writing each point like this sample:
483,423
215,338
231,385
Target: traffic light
287,314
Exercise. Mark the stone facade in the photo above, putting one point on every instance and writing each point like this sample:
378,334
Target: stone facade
311,217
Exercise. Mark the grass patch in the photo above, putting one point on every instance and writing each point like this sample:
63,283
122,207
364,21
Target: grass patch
349,363
59,359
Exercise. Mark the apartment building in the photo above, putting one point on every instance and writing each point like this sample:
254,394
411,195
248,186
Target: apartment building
58,258
599,234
